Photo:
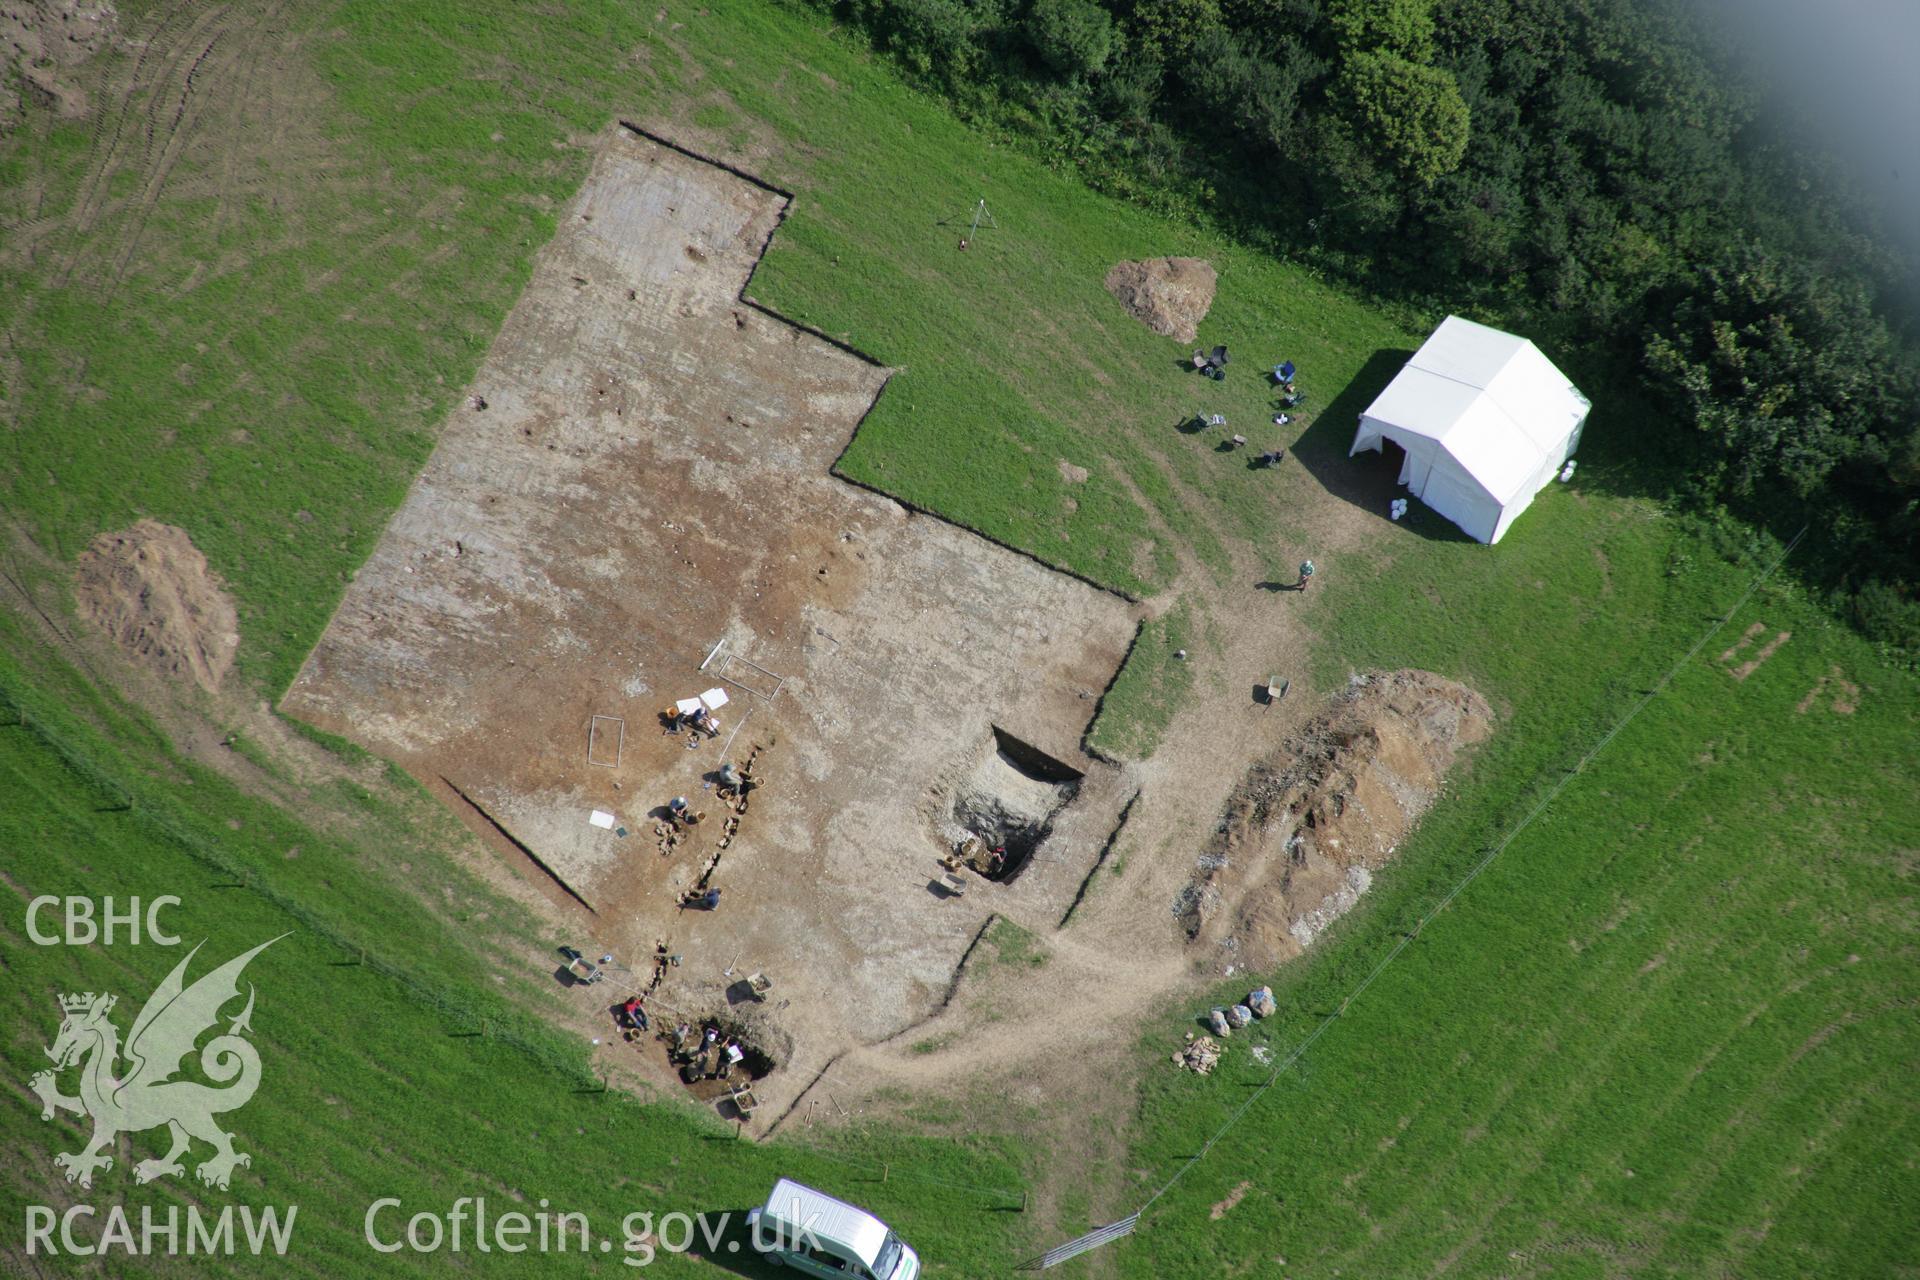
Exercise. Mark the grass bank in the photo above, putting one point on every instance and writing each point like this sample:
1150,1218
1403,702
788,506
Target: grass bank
1641,1041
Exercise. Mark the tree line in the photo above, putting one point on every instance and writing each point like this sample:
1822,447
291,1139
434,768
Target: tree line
1600,172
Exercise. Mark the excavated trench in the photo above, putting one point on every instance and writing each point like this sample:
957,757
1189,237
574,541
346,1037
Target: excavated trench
1009,804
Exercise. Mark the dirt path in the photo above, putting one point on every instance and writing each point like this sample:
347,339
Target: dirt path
167,51
1122,957
208,77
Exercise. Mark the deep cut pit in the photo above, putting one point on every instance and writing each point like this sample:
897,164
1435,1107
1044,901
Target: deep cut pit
1008,804
700,1064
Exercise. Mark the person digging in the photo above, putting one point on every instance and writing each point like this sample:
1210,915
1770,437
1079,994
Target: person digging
682,813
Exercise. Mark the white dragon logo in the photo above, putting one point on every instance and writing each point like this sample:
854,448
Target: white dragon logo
148,1096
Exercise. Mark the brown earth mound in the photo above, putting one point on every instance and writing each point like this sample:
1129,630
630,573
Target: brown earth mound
1305,829
1168,295
150,589
44,42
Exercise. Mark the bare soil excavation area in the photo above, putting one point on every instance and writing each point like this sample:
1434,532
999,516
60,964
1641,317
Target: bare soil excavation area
635,505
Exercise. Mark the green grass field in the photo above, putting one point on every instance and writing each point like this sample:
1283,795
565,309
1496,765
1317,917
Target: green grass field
279,409
1663,1033
1640,1043
270,369
393,1066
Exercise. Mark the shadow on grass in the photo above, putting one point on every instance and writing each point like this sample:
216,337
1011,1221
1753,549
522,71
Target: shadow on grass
1621,450
732,1248
1633,445
1369,481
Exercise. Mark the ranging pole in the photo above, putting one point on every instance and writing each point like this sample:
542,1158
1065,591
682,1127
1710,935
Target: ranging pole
981,214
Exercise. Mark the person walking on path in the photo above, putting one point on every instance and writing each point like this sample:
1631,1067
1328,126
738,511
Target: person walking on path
1306,575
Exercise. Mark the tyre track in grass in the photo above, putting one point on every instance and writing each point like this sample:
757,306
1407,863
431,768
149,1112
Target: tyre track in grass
1542,1048
79,220
114,98
1287,1063
225,86
265,128
172,110
270,31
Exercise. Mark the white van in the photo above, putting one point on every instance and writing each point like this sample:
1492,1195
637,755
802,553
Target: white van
817,1235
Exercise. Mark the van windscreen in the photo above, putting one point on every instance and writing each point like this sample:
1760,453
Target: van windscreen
888,1258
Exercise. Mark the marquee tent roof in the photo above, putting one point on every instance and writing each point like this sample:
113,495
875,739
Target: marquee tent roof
1486,410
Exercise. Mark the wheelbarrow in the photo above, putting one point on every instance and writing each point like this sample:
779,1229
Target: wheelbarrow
584,971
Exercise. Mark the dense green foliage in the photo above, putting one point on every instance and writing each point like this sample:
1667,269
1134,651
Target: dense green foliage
1596,172
1075,37
1801,393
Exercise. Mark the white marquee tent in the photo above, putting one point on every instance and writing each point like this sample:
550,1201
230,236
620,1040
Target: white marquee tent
1485,420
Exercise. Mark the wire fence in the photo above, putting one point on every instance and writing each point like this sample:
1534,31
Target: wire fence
1107,1234
1084,1244
547,1051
